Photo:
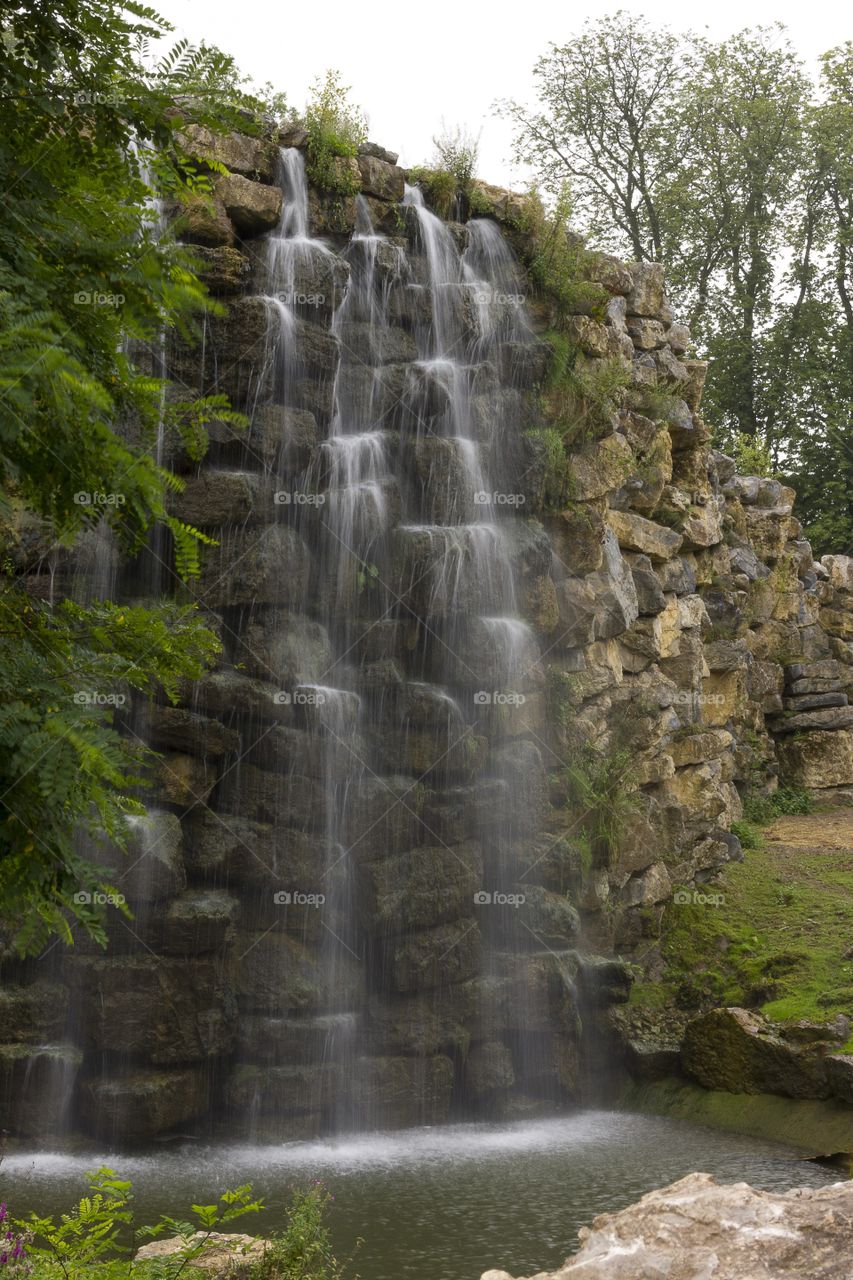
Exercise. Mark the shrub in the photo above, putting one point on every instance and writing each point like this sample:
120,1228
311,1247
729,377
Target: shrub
303,1250
335,128
439,187
556,259
761,809
602,785
749,834
456,152
98,1239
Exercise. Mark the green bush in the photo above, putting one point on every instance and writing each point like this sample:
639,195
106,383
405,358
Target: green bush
556,260
762,810
303,1250
335,129
456,153
749,834
98,1239
439,188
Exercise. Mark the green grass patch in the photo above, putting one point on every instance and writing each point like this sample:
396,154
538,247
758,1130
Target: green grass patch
780,941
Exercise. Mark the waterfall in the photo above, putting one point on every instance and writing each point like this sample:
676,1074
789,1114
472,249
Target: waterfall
354,796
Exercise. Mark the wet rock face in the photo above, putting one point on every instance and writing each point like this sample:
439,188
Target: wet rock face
365,883
741,1052
697,1227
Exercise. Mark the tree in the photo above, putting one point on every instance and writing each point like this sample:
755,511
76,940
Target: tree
88,122
716,159
605,129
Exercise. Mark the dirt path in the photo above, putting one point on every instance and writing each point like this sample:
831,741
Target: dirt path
826,829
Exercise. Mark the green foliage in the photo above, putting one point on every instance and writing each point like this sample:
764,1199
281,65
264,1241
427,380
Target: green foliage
439,188
479,204
556,260
303,1250
601,785
335,129
549,451
582,395
752,456
763,809
99,1237
724,161
654,400
89,135
66,775
456,151
749,834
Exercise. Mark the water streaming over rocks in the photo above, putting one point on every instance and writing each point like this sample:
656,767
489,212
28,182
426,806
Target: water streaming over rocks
327,930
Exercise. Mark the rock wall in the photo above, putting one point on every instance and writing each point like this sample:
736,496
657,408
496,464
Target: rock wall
689,648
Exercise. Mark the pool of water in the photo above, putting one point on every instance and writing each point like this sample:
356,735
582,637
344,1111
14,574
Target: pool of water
435,1204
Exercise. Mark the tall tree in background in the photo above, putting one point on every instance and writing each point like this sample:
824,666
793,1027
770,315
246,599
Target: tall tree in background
717,159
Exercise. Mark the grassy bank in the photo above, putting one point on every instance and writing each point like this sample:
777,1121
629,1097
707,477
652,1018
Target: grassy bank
775,933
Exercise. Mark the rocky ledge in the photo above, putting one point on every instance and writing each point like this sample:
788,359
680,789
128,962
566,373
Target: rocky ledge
697,1229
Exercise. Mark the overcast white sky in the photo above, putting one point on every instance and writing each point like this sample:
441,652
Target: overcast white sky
409,64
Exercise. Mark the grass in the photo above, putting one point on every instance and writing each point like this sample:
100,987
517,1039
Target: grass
781,942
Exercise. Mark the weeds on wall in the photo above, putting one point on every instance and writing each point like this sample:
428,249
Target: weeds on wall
336,128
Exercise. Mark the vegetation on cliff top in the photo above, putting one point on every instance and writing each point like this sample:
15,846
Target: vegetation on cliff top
724,161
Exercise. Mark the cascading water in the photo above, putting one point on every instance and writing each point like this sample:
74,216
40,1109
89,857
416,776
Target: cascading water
356,793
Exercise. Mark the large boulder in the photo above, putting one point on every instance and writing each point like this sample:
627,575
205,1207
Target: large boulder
216,1254
697,1228
251,206
419,889
818,759
636,533
268,565
741,1052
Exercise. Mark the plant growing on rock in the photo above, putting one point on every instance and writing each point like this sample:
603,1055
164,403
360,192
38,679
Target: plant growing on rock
456,151
99,1238
335,129
557,261
439,188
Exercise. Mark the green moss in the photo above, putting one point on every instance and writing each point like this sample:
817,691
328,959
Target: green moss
820,1128
780,941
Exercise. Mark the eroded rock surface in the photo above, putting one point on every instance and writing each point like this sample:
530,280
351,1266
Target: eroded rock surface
697,1229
